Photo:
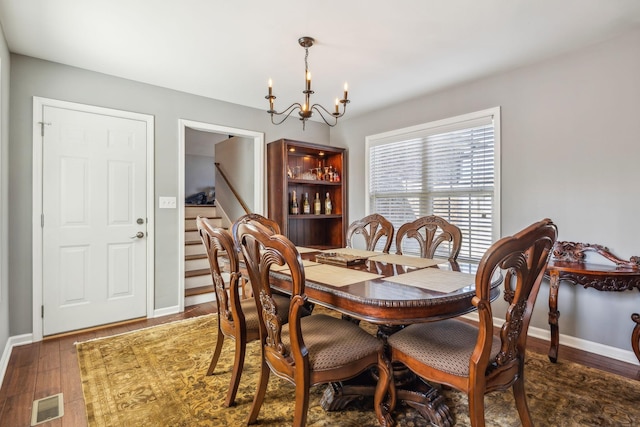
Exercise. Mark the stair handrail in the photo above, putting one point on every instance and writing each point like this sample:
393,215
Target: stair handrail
233,190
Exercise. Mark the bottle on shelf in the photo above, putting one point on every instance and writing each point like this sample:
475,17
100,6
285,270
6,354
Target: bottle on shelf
316,204
327,205
306,207
294,204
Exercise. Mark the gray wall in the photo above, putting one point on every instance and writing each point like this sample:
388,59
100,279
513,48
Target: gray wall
570,152
33,77
5,63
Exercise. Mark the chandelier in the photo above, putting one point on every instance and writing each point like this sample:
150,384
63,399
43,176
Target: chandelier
305,110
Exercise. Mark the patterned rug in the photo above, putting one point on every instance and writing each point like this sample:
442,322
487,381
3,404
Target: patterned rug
156,377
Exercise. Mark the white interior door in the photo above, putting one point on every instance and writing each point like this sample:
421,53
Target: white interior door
94,229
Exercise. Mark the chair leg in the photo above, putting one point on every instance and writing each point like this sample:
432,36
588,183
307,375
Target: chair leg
521,402
302,404
385,387
476,408
217,351
238,364
260,392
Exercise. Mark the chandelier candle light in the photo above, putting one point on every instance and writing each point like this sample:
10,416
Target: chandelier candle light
306,109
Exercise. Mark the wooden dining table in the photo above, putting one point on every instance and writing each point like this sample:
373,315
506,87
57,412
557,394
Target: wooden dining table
389,291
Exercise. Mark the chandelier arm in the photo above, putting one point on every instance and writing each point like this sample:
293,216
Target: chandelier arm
290,109
319,108
337,116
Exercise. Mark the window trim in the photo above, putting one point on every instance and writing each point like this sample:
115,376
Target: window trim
441,126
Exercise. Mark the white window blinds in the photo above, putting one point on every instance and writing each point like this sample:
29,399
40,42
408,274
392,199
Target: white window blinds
445,169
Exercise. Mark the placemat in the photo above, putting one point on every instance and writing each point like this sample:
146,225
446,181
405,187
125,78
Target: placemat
411,261
355,252
305,262
435,279
337,276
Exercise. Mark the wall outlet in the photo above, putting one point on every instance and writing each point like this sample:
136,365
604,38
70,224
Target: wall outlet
167,203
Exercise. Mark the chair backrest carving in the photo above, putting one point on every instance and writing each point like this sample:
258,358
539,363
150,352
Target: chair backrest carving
430,232
262,249
522,258
372,227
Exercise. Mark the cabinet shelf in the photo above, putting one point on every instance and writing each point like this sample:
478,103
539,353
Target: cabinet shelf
314,182
308,230
313,216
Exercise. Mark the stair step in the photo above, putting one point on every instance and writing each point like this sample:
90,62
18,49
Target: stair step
190,223
196,263
200,272
202,210
197,281
195,256
195,250
199,290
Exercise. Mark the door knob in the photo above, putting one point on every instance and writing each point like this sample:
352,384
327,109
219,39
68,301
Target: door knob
139,235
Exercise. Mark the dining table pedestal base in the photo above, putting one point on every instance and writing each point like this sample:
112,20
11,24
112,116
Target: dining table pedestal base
410,390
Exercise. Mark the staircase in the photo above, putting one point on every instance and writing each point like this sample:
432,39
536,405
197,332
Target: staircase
198,284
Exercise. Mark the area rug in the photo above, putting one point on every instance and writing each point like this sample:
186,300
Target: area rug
156,377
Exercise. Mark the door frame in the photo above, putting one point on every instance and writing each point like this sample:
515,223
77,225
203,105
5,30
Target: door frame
258,185
37,187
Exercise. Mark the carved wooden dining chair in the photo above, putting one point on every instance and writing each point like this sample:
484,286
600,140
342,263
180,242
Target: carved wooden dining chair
430,232
237,318
372,228
469,357
309,350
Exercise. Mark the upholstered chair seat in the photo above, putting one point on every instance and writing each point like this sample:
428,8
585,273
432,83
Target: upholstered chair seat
445,346
344,344
251,314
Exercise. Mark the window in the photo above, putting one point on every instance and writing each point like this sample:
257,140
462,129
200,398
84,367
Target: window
449,168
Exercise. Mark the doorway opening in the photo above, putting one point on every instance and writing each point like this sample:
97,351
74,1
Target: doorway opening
255,162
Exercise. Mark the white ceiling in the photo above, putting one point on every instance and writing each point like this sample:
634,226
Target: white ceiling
387,51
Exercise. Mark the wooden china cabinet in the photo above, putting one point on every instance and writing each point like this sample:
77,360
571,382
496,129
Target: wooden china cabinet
308,169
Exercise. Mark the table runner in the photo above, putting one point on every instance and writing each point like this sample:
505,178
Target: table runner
435,279
354,252
411,261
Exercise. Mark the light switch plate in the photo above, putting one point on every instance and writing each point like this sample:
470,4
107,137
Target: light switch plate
167,203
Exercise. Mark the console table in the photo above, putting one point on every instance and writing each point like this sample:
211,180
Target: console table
568,263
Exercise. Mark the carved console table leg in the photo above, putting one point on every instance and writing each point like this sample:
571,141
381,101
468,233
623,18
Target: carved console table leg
554,314
635,335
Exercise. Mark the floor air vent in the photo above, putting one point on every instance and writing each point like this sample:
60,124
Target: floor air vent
46,409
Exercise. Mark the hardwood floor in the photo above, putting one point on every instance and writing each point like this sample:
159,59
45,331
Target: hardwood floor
50,367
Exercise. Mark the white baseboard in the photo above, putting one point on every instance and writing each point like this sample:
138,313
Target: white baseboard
6,354
627,356
199,299
166,311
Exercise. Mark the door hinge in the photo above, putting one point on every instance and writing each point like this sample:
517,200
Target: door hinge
42,125
42,311
41,220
